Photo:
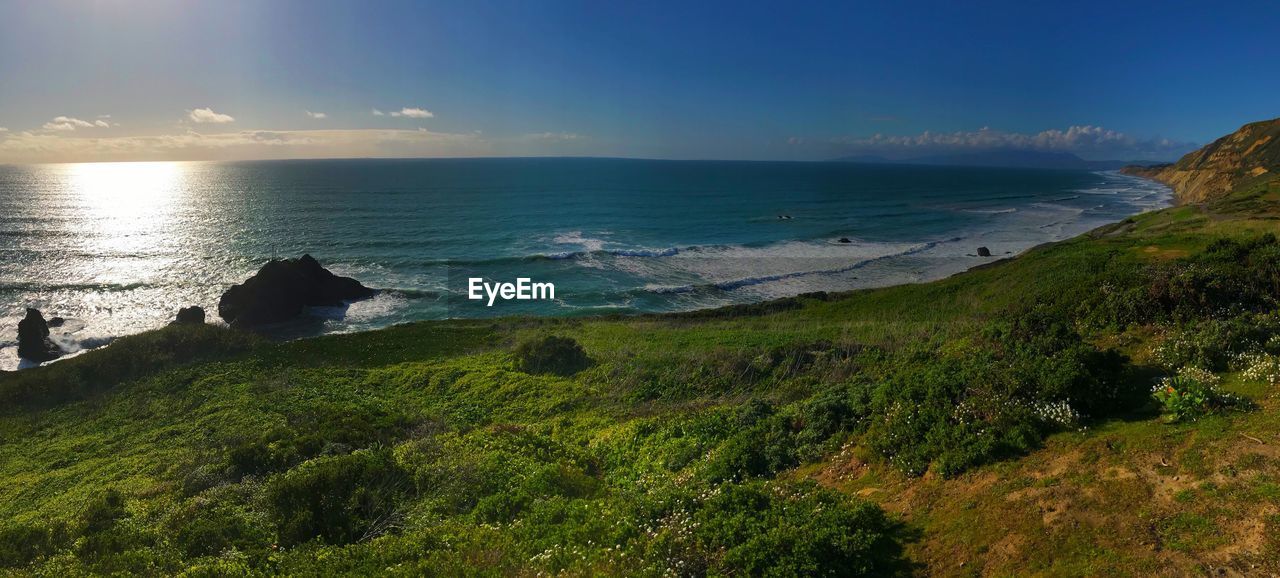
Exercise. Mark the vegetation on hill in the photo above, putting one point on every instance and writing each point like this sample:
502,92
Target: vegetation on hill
1101,405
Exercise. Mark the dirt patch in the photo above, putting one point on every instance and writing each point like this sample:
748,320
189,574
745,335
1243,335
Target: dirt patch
1156,252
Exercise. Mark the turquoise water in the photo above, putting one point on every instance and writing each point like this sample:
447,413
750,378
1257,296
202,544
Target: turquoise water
118,248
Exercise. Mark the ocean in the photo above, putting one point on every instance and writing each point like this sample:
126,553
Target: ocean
117,248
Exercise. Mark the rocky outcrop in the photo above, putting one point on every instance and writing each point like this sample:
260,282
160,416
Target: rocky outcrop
984,252
282,289
33,338
1249,155
193,315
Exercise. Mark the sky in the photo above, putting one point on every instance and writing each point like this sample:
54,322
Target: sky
109,80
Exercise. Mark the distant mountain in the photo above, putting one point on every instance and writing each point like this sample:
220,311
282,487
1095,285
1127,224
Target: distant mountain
1012,158
1249,155
1019,159
868,159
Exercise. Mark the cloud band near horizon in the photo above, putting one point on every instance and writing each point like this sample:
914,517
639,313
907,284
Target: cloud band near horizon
60,141
50,146
1088,141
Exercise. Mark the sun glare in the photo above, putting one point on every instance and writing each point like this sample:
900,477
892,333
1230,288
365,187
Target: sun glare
126,190
131,205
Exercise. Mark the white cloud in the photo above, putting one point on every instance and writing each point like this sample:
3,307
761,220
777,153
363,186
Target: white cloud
316,115
411,112
1088,140
206,115
251,144
377,112
66,124
548,137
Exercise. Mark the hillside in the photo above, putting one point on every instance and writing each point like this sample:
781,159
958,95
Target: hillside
1249,157
998,422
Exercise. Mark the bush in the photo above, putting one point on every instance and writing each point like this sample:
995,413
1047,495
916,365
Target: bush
103,512
111,539
313,430
495,474
338,499
1192,394
1259,366
1215,344
763,529
1226,278
20,544
551,354
973,400
829,412
210,529
219,521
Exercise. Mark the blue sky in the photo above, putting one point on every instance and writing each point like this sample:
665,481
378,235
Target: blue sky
164,79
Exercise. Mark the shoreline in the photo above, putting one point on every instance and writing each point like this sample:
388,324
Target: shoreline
940,261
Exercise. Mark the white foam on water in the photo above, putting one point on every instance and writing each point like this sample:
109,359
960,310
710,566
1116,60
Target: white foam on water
791,268
576,239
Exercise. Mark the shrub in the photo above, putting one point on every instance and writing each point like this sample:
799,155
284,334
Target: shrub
969,401
495,474
338,499
314,430
551,354
103,511
1192,394
829,412
1226,278
111,539
763,445
764,529
210,527
1214,343
20,544
1259,367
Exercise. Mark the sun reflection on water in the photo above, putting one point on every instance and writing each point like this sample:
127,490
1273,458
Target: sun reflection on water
126,191
130,213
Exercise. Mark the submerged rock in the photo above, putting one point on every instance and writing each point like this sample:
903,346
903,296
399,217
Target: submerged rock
984,252
193,315
844,240
33,338
282,288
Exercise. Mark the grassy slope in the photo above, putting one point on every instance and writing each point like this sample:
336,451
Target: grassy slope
1131,495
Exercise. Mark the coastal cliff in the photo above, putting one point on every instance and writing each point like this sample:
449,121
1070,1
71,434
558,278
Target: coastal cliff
1244,158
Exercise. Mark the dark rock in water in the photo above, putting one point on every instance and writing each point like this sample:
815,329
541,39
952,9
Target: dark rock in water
33,338
282,288
844,240
56,321
193,315
984,252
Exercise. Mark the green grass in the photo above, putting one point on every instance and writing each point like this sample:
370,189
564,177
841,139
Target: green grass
872,432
